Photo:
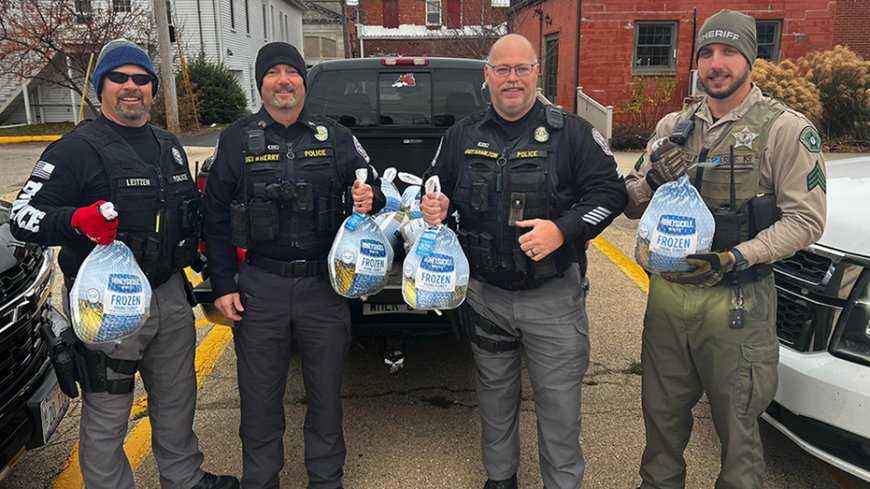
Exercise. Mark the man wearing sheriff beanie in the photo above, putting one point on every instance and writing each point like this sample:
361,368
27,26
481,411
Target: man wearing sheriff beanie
712,330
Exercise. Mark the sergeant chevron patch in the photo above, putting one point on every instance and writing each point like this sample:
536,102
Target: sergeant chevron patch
816,178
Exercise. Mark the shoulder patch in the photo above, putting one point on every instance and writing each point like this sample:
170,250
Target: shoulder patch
360,150
599,138
811,140
42,170
639,161
816,178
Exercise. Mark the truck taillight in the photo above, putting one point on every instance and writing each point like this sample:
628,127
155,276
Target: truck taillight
405,61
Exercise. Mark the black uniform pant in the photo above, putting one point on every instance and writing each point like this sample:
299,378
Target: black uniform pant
279,310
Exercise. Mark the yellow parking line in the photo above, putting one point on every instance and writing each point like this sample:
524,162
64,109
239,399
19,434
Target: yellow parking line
628,267
138,443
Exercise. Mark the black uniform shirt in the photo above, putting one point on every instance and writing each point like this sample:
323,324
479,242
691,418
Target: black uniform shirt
69,175
591,189
225,185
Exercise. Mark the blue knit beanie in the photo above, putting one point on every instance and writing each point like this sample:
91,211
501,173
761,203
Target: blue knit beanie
117,53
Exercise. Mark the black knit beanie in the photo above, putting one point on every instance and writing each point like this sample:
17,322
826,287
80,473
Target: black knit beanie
276,53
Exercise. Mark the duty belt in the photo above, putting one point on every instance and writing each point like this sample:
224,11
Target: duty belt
513,285
751,274
295,268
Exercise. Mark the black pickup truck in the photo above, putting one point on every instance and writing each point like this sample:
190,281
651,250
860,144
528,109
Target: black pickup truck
398,108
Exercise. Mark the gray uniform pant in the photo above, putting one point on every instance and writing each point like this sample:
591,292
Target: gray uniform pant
689,349
165,349
279,310
551,324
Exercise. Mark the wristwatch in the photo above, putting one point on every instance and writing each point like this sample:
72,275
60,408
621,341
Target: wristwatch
740,263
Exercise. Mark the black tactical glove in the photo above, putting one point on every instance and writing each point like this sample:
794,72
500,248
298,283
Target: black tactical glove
710,268
667,163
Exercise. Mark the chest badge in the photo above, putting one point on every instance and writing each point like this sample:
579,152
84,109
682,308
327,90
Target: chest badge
177,155
744,137
542,134
322,133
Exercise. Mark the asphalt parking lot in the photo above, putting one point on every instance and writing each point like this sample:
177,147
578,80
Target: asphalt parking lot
419,428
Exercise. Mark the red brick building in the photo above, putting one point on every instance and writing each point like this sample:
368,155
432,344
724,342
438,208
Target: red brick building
619,39
459,28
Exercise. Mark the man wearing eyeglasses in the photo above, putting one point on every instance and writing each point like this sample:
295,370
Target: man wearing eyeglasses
531,185
143,171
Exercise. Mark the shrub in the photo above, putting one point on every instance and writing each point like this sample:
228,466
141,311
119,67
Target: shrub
843,79
186,118
784,82
650,98
221,99
630,138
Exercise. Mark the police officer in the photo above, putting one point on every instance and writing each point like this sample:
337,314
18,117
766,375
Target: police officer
279,188
531,185
712,330
143,170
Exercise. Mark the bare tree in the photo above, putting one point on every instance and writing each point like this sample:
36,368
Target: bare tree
472,41
51,40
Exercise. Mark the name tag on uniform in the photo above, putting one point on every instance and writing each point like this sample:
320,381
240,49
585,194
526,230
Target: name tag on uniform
481,152
531,153
315,153
263,158
137,182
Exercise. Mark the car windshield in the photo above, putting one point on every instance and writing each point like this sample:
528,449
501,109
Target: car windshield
367,98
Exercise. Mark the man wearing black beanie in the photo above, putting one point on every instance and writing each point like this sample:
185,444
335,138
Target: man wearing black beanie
278,187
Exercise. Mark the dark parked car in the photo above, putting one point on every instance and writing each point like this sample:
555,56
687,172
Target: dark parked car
398,108
31,403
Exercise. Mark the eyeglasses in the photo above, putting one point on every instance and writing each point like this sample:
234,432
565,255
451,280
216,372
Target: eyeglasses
140,79
505,70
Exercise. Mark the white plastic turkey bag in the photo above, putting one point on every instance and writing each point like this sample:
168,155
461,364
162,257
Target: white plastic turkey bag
394,198
435,272
111,297
676,224
390,222
361,255
412,191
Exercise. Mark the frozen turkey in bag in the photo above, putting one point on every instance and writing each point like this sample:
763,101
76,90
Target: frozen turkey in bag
676,224
111,297
412,225
361,256
412,191
390,222
435,272
394,198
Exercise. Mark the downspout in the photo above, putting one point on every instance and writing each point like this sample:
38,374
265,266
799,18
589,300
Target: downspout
199,22
692,52
577,52
218,29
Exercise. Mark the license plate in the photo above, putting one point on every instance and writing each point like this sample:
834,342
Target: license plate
48,405
374,309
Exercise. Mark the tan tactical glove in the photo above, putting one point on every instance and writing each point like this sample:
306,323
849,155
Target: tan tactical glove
710,268
668,163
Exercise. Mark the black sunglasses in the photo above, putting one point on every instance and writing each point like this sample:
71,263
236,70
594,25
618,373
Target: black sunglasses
140,79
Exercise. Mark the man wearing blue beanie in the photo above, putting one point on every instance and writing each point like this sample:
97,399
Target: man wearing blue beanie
143,171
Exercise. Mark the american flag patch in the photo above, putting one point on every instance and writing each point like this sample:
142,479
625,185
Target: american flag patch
42,170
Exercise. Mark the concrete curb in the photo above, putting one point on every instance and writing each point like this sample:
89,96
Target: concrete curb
29,139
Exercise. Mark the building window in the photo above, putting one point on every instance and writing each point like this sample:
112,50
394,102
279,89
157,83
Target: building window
501,3
655,47
391,13
769,35
433,12
247,19
551,67
265,26
286,29
122,6
272,19
232,14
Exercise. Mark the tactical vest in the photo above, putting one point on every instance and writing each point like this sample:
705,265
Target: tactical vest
743,208
293,193
159,216
500,183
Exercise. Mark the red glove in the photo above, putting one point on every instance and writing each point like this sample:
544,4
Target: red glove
93,224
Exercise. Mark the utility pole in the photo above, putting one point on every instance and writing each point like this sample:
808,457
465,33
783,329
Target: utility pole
167,78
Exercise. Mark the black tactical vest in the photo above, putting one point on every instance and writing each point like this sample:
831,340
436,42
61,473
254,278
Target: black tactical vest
159,216
293,192
500,183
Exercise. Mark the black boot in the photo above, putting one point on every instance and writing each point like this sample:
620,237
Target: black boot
211,481
510,483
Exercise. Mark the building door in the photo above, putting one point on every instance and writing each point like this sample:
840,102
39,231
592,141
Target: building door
391,13
454,16
551,67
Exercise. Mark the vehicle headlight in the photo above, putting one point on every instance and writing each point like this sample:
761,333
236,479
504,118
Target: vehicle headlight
852,339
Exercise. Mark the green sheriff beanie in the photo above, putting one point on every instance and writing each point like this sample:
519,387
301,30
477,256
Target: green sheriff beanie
735,29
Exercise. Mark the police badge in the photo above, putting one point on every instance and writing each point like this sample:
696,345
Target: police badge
542,134
177,155
322,133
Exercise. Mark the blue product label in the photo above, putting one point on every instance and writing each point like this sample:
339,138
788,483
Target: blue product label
373,248
125,283
426,242
437,263
353,221
676,225
393,204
